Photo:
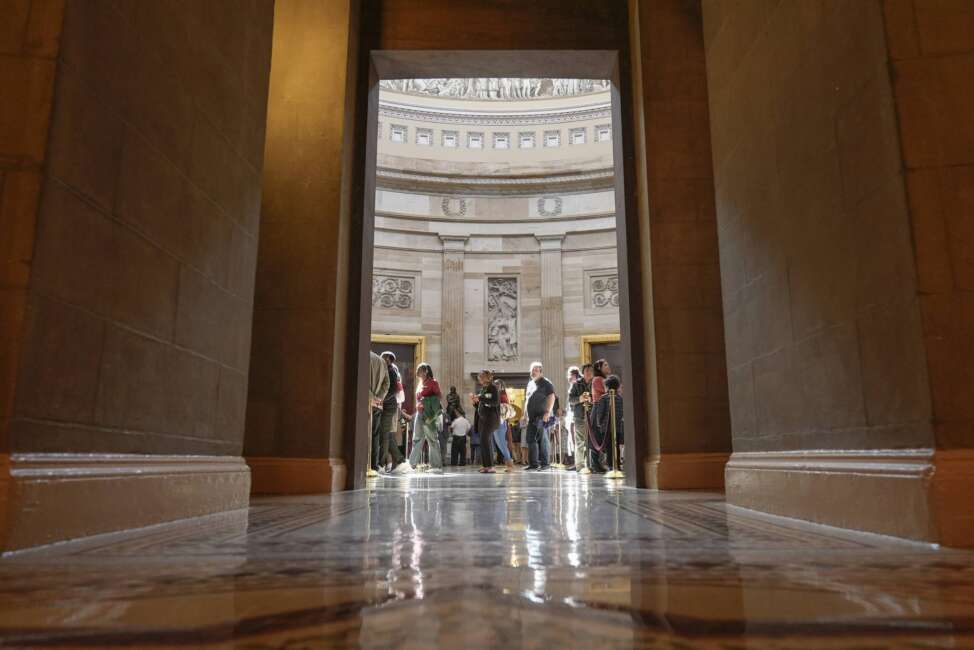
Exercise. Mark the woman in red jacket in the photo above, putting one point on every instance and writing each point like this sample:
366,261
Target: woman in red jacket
429,419
601,370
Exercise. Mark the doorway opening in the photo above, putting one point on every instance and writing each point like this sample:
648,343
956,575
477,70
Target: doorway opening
494,225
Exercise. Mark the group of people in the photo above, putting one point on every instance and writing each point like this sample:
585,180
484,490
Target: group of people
500,433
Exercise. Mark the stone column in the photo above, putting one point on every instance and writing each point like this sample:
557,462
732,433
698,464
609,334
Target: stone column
451,341
552,313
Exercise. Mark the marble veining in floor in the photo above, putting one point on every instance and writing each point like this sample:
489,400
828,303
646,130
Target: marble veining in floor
471,561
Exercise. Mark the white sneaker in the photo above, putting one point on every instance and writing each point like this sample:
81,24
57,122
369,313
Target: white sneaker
585,470
435,470
402,468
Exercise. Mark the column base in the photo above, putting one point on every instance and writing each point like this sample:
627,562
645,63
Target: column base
57,497
918,494
696,471
272,475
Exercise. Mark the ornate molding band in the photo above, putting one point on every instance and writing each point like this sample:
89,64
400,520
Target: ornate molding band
389,111
496,88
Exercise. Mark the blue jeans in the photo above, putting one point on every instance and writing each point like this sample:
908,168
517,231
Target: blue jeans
431,434
500,441
537,443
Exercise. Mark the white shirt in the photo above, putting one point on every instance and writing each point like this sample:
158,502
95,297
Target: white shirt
460,426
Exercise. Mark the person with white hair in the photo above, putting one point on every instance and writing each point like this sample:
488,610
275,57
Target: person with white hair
539,402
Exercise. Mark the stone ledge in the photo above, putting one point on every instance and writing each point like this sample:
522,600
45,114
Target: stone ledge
690,471
57,497
273,475
918,494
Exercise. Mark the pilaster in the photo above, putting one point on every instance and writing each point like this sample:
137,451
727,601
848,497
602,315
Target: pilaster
451,350
552,312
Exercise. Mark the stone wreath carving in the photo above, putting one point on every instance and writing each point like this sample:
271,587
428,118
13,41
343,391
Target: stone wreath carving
447,206
502,319
392,292
555,209
605,292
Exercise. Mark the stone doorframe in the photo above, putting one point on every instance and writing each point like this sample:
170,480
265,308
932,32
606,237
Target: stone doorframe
404,339
387,64
586,341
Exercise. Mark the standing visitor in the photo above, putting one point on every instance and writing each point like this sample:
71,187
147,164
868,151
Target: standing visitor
458,445
505,421
601,370
488,418
474,443
581,387
429,419
453,408
378,387
390,419
540,400
602,458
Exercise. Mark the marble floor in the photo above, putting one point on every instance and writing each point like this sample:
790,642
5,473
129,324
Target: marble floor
466,561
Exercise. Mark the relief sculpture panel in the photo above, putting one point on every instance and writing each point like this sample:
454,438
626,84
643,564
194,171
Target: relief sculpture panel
393,292
502,319
604,291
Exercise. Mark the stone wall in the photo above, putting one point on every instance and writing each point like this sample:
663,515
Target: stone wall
138,324
420,258
290,401
822,320
689,406
29,44
931,47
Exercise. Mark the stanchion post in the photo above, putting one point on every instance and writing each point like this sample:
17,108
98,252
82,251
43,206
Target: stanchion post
586,406
616,472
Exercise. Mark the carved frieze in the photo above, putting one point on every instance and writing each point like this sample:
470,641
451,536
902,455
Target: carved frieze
502,296
394,292
604,291
496,88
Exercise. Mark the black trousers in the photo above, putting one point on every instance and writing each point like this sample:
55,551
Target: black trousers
458,450
537,450
376,437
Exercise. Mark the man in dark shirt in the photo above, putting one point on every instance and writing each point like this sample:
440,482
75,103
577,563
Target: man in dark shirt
582,384
539,404
390,410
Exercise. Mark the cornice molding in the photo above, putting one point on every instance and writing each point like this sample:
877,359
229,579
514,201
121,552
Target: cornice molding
389,111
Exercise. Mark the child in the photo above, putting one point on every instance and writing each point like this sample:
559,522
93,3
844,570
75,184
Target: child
474,443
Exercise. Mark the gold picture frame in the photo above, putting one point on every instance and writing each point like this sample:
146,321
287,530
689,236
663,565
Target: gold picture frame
586,340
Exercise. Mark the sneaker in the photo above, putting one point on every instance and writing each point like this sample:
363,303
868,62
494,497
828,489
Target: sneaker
435,470
585,470
532,468
402,468
544,468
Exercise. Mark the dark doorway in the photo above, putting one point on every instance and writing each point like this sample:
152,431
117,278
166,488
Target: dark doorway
613,353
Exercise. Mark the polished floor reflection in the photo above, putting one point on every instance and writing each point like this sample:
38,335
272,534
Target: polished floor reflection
467,561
